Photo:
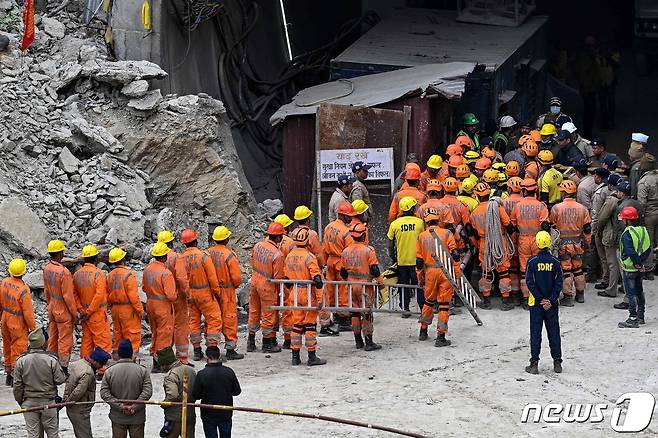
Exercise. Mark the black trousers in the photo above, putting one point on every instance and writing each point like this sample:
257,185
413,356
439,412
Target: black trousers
407,275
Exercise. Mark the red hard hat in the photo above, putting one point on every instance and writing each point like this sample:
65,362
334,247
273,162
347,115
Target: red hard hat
628,213
188,235
412,174
346,209
276,229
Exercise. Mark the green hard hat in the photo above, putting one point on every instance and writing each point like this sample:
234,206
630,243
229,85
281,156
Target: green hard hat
470,119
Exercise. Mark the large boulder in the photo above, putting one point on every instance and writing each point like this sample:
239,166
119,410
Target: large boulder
21,228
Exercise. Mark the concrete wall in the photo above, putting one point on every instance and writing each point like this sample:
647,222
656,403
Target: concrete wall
131,40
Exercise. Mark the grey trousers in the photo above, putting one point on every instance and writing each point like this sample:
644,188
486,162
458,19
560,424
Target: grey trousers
80,417
36,423
613,269
651,222
122,430
600,251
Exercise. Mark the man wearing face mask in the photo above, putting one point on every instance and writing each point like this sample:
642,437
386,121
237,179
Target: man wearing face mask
554,111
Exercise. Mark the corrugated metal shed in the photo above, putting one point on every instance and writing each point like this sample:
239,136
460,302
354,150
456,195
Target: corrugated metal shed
415,37
368,91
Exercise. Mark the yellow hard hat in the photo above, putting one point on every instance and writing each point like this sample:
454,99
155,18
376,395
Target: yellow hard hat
545,157
17,267
548,129
116,255
500,167
435,162
160,249
89,251
471,156
165,236
543,240
302,212
468,185
284,220
407,203
490,175
221,233
56,246
359,206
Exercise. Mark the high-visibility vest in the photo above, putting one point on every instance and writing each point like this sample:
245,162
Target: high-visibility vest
641,244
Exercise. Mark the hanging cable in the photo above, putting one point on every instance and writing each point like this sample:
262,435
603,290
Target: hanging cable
498,246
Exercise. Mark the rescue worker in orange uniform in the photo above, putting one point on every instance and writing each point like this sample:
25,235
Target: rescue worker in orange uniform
17,313
301,264
303,217
412,178
360,264
204,294
452,212
437,288
62,306
176,265
160,288
433,171
480,166
287,244
453,164
434,195
529,217
573,221
514,188
123,297
531,168
360,208
90,287
266,264
462,172
229,276
335,239
479,222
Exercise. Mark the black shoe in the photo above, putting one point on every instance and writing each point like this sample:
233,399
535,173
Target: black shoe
326,331
441,341
422,336
516,300
251,343
524,304
157,369
580,297
621,306
198,353
640,320
286,344
557,366
603,293
370,345
485,304
9,380
629,323
601,286
295,358
313,360
506,304
359,341
405,314
233,355
566,301
532,368
270,346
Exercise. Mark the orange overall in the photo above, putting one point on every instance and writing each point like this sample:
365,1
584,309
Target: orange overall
425,177
528,216
437,288
127,309
285,318
394,211
266,264
229,277
531,170
336,238
455,213
160,288
430,203
17,319
570,218
62,310
514,270
301,264
176,265
355,220
204,293
357,260
479,222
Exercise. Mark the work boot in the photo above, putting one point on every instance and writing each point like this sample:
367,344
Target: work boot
313,360
629,323
621,306
485,304
406,314
233,355
422,336
370,345
507,305
359,341
270,346
9,380
603,293
344,324
286,344
441,341
532,368
601,285
66,371
580,297
517,300
524,303
328,331
557,366
566,301
295,358
157,369
198,353
251,343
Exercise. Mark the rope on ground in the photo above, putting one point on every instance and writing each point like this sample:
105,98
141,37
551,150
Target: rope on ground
498,245
270,411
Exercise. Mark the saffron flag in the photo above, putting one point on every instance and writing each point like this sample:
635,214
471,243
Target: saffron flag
28,20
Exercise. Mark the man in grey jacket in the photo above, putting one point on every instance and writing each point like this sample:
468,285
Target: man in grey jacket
36,377
173,390
601,192
340,195
81,387
359,189
647,195
126,380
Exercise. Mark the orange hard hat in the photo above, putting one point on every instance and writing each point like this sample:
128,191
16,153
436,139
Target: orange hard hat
535,135
412,174
450,185
454,149
410,166
529,184
462,171
431,214
514,184
188,235
455,161
482,189
346,209
523,139
568,186
300,236
357,230
530,148
464,141
483,164
276,229
512,168
488,153
434,185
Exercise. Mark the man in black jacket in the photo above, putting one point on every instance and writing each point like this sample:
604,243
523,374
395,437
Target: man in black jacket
216,385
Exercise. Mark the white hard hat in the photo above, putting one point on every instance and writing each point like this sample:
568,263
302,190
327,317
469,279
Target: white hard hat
569,126
639,137
507,122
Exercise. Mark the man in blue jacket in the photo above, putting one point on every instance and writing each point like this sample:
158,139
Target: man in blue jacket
544,280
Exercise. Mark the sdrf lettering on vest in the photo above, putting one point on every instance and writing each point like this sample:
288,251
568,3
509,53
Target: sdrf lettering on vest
545,266
407,227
